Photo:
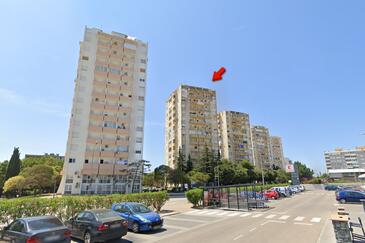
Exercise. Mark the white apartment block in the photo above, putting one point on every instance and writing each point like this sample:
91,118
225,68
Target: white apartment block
105,138
261,147
235,140
345,159
191,123
277,154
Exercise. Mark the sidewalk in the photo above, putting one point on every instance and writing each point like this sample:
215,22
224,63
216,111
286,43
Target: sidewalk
176,206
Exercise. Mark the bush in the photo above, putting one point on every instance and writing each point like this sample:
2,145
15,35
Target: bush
194,196
67,206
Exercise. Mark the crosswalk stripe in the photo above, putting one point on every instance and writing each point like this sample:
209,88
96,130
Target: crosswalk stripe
284,217
299,218
316,220
270,216
245,214
192,212
202,212
232,214
213,212
257,215
223,213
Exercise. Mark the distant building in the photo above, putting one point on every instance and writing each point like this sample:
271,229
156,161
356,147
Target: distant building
345,164
235,140
105,138
277,153
57,156
190,123
261,147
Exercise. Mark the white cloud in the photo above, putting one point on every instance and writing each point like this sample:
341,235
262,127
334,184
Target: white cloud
13,98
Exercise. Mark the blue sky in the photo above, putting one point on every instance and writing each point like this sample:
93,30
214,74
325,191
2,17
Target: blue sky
296,67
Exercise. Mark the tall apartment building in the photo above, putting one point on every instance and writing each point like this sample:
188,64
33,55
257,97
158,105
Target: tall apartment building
277,153
235,136
261,147
191,123
105,138
345,159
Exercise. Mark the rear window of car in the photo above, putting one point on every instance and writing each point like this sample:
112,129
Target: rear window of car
44,223
106,214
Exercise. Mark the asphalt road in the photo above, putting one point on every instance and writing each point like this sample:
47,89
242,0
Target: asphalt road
300,219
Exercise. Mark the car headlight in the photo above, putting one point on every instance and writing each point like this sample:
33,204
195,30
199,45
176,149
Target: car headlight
143,219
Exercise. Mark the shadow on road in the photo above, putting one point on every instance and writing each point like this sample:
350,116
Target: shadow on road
110,241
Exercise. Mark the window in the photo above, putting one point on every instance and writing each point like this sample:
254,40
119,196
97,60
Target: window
139,140
72,160
130,46
141,79
142,70
143,61
101,161
17,226
99,68
85,58
139,129
138,151
140,98
86,161
114,70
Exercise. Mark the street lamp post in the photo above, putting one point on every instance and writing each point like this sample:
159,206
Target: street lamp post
262,174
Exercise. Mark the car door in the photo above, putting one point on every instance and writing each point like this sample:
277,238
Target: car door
351,196
76,225
16,232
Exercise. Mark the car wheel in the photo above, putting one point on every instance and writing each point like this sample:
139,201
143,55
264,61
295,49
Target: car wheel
342,201
88,238
135,227
273,198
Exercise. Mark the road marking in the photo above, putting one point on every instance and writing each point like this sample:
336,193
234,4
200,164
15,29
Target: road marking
284,217
213,212
316,220
273,221
245,214
237,237
175,227
303,223
257,215
202,212
270,216
184,219
299,218
223,213
192,212
233,214
252,229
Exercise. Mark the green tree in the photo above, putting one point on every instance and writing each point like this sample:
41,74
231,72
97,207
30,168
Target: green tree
181,161
199,178
55,163
161,175
13,168
3,168
305,173
15,184
148,180
227,172
282,176
39,177
189,164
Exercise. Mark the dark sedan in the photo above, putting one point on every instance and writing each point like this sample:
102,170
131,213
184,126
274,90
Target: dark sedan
36,230
97,225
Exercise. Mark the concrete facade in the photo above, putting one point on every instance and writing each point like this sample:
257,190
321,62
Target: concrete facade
277,152
261,147
105,139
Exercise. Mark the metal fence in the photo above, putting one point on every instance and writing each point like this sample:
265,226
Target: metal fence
240,197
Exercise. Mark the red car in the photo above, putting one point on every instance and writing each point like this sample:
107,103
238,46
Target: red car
272,194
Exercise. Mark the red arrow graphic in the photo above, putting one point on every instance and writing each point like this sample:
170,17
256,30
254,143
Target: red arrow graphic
218,75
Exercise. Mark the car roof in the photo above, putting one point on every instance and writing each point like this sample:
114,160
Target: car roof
128,203
98,210
28,219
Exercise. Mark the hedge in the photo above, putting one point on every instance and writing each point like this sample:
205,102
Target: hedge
194,196
67,206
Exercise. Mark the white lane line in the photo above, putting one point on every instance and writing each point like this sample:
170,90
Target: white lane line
175,227
184,219
211,213
284,217
245,214
223,213
257,215
316,220
252,229
299,218
233,214
303,223
237,237
270,216
273,221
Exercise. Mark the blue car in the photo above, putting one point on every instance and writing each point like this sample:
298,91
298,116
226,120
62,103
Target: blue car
140,218
349,196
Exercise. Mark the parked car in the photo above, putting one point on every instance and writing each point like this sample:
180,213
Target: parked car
97,225
36,229
349,196
271,194
283,191
331,187
140,217
294,189
302,188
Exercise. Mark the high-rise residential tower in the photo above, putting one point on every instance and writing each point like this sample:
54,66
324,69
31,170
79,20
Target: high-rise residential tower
191,123
277,153
235,136
261,147
105,139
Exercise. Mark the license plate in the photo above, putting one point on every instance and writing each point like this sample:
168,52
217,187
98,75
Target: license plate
114,226
51,238
156,227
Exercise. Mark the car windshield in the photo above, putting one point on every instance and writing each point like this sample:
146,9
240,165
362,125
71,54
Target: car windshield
139,208
47,223
106,214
